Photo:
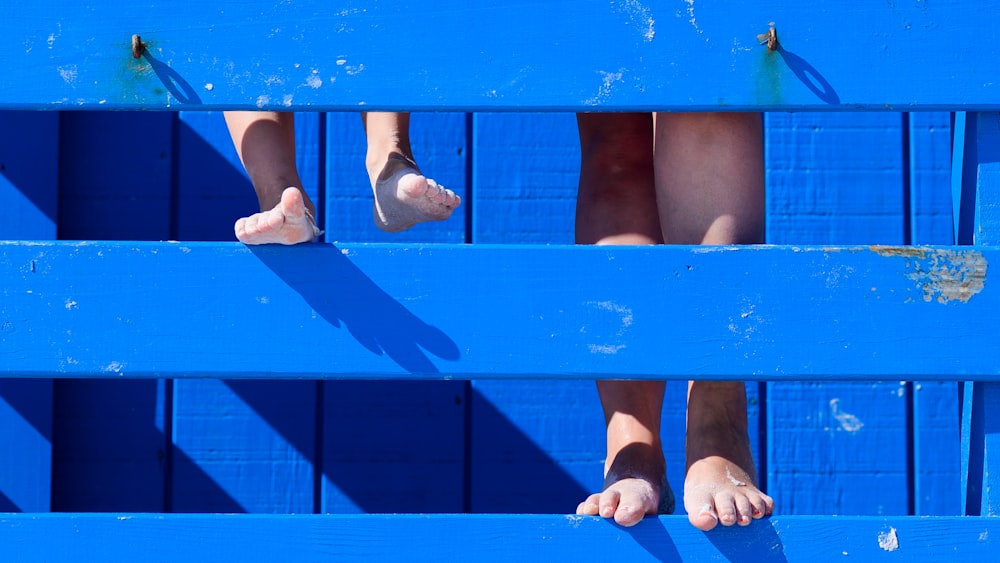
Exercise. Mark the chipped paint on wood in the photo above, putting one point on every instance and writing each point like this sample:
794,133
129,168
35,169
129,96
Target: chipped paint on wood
943,275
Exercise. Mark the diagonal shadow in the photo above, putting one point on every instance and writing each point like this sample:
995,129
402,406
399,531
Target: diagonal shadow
172,80
7,505
28,168
510,473
809,76
653,536
376,320
757,542
30,398
109,455
399,446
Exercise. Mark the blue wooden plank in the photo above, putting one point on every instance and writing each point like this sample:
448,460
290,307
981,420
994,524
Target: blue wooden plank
110,446
244,446
525,173
936,448
983,156
409,455
837,179
28,210
930,166
115,178
112,186
741,319
28,174
237,447
538,446
26,445
310,53
420,537
393,446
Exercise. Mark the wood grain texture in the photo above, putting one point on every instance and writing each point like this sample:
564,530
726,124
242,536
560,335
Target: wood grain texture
415,537
342,56
118,310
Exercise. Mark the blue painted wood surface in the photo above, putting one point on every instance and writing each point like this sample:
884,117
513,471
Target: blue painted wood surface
151,537
739,319
837,447
936,449
29,197
621,55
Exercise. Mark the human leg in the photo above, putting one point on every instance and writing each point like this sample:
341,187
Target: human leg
616,205
403,196
710,190
265,142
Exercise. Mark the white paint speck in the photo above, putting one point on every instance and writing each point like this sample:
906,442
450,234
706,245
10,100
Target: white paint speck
210,86
287,100
68,73
888,540
606,349
640,16
608,80
263,101
847,421
263,300
985,535
71,304
341,62
115,367
51,40
313,80
691,18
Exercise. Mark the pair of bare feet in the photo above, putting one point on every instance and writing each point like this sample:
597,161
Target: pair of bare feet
403,198
720,484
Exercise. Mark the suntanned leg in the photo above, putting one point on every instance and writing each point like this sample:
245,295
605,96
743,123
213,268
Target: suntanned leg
710,190
617,205
265,142
403,196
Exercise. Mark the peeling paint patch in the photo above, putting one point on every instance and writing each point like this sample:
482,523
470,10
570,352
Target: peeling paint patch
608,80
691,17
847,421
313,80
888,540
942,275
68,73
606,349
624,313
114,367
640,16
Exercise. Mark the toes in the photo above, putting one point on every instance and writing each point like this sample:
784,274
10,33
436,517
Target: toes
744,511
609,503
589,507
628,515
726,509
704,519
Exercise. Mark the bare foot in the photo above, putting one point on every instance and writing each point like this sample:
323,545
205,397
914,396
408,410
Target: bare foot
721,485
635,486
289,222
404,197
